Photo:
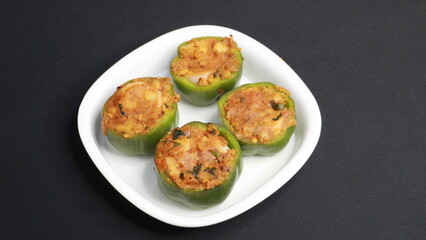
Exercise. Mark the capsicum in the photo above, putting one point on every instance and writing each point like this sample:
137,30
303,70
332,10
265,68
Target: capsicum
197,164
206,68
139,113
261,116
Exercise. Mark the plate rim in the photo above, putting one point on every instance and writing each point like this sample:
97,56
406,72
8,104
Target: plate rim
293,165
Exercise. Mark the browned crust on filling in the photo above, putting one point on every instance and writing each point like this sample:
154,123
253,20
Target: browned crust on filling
138,105
194,158
204,61
259,114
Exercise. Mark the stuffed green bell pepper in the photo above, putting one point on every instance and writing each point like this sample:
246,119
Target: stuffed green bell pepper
207,67
139,113
197,164
261,116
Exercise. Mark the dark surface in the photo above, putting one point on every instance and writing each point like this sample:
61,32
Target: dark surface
364,61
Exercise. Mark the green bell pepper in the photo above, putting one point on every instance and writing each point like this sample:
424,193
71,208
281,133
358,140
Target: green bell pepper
201,199
206,95
144,144
250,148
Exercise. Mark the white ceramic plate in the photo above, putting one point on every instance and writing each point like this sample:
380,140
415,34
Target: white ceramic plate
134,177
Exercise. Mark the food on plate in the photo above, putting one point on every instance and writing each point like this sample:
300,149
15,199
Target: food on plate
139,113
207,67
261,116
197,164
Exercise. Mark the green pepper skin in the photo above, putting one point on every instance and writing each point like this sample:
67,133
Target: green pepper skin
206,95
248,148
145,144
196,199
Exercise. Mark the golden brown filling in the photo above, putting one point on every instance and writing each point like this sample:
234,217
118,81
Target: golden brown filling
204,61
259,114
194,158
138,105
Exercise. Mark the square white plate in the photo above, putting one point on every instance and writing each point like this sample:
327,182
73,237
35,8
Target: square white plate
134,177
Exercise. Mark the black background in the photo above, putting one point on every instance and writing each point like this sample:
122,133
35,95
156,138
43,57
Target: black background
364,61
